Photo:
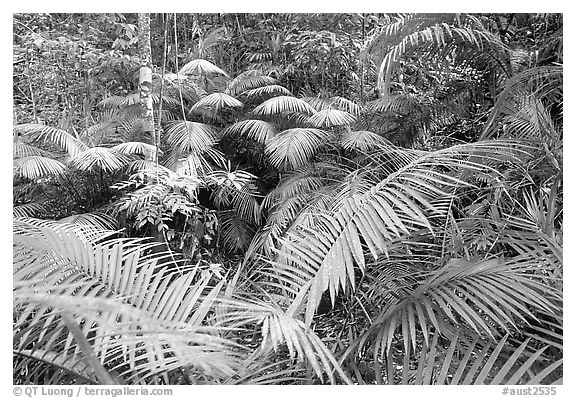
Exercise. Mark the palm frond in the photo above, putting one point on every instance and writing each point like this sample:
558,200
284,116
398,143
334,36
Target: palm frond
236,232
258,130
318,103
540,82
331,118
529,120
345,104
273,89
201,67
469,295
48,134
197,164
294,147
248,81
136,148
132,309
391,208
362,141
283,104
27,210
468,361
106,159
20,150
217,101
34,167
114,101
42,367
279,328
438,35
94,219
187,136
301,181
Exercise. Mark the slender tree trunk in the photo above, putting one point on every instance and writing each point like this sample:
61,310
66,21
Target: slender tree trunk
145,80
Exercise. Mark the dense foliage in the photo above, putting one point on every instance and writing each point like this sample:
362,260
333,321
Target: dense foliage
320,198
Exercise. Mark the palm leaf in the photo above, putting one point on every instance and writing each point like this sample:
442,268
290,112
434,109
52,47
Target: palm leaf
318,103
345,104
20,150
273,89
258,130
187,136
486,297
116,101
463,363
106,159
331,118
283,104
431,33
217,101
541,82
236,232
393,207
279,328
114,289
94,219
247,81
39,367
136,148
201,67
295,147
61,138
27,210
362,141
34,167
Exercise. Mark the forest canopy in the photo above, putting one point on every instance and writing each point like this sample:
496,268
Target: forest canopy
287,198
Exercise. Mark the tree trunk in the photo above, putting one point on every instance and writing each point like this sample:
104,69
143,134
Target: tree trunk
145,80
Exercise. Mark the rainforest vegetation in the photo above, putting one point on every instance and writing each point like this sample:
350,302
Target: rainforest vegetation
287,198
